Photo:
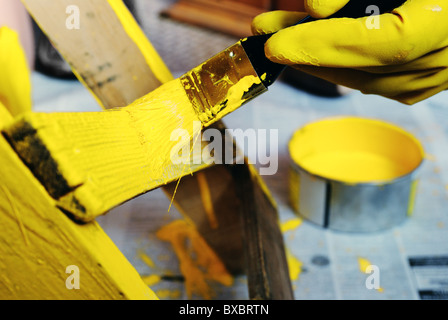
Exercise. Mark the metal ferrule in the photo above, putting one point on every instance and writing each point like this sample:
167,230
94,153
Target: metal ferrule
222,84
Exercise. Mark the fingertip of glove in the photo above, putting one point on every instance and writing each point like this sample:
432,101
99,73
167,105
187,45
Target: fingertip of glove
292,46
323,8
273,21
275,48
258,24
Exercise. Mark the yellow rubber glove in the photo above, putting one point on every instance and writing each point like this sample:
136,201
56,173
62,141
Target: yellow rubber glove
405,59
15,82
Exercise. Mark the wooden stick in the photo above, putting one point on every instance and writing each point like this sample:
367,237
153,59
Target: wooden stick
106,49
38,243
266,264
133,48
91,162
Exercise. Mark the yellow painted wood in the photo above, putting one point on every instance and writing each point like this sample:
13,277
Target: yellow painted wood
109,44
91,162
39,242
15,85
5,116
108,34
39,245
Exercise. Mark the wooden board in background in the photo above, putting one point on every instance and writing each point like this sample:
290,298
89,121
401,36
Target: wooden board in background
228,16
131,47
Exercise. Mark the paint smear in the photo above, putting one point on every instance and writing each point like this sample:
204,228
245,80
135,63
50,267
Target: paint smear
363,265
168,294
146,259
291,224
412,195
237,91
294,265
198,262
151,280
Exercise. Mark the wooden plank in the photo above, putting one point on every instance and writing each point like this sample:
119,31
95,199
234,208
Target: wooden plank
106,51
231,17
38,243
266,264
91,162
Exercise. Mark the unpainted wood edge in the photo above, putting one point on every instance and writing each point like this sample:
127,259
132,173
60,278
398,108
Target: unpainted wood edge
23,138
25,141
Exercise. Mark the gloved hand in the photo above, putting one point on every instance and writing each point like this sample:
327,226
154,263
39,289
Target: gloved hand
405,59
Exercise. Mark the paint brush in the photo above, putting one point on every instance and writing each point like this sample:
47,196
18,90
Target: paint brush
242,72
90,162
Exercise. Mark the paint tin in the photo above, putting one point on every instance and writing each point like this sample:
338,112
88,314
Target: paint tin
354,174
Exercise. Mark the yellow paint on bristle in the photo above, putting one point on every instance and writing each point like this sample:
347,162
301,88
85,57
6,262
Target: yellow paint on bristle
198,262
15,84
112,156
155,116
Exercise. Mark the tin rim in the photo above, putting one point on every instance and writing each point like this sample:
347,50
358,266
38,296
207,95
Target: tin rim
297,167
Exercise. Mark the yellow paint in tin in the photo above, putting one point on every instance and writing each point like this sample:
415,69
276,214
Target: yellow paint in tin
355,150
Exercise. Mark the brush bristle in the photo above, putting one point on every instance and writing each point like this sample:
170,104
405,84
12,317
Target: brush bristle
157,115
106,158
